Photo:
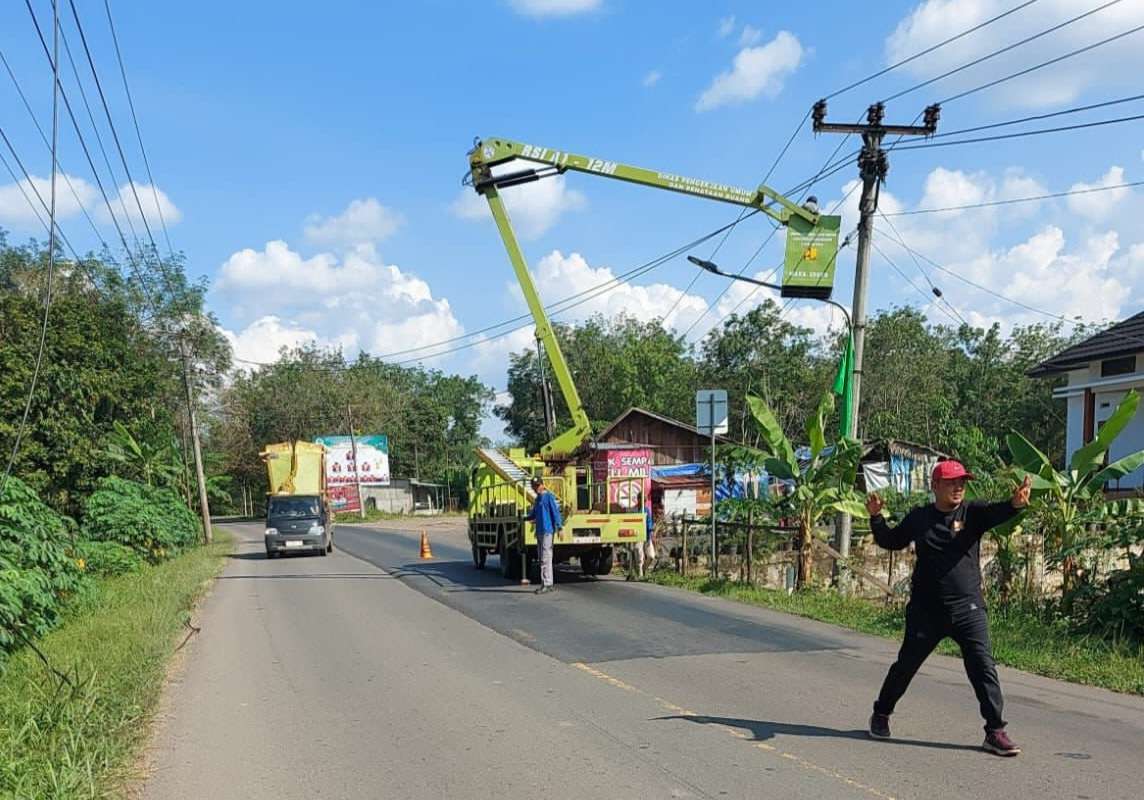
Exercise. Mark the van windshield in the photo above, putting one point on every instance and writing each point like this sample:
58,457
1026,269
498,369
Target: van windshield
293,507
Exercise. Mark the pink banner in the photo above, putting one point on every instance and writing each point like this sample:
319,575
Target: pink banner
627,495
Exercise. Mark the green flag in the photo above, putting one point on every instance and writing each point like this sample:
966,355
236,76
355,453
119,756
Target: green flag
844,387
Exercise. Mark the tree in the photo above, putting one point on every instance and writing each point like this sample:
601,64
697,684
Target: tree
108,361
824,485
616,363
762,354
1068,502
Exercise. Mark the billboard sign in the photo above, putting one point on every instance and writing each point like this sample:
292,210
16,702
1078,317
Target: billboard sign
627,495
811,250
372,467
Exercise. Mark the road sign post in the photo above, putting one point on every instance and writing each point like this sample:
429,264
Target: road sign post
711,416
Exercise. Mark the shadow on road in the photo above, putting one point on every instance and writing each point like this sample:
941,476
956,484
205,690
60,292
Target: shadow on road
335,576
260,555
764,730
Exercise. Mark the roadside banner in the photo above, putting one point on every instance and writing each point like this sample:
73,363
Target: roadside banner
343,474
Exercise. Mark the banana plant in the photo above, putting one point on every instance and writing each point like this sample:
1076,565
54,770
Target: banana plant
825,485
154,464
1070,501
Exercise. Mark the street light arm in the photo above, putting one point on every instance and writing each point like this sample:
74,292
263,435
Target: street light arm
713,268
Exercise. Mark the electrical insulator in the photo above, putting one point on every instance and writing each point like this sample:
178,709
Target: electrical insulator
876,113
818,114
932,115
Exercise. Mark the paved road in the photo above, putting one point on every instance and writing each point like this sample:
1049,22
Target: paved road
373,674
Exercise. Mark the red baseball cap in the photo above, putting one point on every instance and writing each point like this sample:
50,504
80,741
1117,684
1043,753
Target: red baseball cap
951,470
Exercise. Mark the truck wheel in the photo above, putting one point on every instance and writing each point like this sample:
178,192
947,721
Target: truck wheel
510,564
607,559
479,556
590,562
534,566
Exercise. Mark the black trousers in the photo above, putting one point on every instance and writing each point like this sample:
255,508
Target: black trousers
927,623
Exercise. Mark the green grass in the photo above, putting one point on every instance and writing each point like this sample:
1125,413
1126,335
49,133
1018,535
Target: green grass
1022,637
61,741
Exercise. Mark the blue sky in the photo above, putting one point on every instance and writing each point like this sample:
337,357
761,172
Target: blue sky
309,156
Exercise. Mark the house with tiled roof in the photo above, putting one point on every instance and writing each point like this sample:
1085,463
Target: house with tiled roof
1099,371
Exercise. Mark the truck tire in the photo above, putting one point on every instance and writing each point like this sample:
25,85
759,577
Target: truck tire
510,564
607,560
590,562
534,565
479,556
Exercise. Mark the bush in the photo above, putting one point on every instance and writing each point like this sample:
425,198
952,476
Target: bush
107,558
1114,609
36,572
153,522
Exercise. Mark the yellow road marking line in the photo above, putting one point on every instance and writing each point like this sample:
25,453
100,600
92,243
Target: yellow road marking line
738,734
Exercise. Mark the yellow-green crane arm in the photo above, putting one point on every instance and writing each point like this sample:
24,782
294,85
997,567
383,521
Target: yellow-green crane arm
488,153
545,162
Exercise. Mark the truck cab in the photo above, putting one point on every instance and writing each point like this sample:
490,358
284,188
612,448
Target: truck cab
298,523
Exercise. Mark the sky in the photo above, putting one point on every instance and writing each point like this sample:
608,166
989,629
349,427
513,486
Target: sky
307,159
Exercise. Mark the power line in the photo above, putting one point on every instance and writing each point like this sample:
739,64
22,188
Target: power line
998,52
53,62
1014,200
48,145
135,119
933,288
559,306
1035,117
115,135
929,300
1043,64
1022,134
930,49
22,428
28,180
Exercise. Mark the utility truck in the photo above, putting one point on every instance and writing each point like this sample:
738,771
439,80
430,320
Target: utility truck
299,517
601,509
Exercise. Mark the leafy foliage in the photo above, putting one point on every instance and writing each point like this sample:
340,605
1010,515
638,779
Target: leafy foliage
36,572
153,522
824,485
106,559
1069,503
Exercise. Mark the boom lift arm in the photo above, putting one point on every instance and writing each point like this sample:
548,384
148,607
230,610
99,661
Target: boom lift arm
489,153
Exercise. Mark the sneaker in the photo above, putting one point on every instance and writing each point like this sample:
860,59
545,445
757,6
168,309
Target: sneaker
999,743
880,725
543,590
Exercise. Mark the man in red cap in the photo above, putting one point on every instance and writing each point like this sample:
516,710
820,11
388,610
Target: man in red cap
946,597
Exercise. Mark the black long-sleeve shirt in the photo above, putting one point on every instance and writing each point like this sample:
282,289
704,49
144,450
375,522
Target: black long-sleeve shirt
948,546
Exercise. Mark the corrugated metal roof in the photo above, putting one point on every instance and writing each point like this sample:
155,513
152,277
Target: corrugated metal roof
660,417
1122,339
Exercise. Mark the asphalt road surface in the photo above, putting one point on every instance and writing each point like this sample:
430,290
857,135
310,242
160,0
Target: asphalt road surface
372,674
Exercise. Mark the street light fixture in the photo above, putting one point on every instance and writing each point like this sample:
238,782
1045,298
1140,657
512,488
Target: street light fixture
713,268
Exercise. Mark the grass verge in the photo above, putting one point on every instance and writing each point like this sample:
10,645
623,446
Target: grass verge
75,738
1022,638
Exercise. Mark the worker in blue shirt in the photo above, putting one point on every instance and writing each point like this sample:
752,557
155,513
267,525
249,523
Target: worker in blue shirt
545,514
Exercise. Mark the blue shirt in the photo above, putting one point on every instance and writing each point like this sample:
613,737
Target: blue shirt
650,520
546,513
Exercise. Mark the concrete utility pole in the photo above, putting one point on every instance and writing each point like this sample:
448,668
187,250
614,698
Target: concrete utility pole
204,506
872,167
353,452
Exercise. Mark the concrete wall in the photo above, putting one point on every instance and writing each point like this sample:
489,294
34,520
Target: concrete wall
391,499
1106,398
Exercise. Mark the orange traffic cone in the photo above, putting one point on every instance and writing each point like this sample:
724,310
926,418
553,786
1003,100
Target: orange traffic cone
426,553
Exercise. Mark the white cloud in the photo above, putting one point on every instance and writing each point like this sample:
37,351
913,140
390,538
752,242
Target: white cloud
741,297
574,275
1099,205
533,207
726,26
355,301
750,36
756,71
262,340
932,21
157,207
15,210
652,78
364,220
554,8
